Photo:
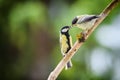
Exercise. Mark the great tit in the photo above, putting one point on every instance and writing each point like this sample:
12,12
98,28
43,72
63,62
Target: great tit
84,22
65,43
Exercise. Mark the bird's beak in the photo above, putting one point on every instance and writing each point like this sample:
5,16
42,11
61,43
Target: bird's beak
70,27
73,25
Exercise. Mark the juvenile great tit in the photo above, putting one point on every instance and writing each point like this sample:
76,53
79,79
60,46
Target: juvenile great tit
84,22
65,43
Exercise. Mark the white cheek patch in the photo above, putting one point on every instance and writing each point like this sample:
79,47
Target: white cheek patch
64,30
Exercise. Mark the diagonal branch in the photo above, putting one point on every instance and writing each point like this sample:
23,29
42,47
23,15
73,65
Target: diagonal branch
54,74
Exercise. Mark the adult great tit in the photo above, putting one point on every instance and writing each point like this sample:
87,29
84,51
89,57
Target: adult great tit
65,43
84,22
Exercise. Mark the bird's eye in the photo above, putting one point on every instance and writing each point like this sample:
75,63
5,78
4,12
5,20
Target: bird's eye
74,20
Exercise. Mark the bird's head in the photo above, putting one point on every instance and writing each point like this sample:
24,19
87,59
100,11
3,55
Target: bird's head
74,21
65,29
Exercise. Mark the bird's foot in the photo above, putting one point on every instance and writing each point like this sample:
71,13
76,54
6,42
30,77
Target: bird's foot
81,37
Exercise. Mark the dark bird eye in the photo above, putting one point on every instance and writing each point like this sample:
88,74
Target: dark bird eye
74,20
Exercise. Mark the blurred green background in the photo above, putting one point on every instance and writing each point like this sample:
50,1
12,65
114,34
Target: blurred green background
29,40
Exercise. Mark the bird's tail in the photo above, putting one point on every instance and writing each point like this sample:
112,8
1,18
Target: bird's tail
68,65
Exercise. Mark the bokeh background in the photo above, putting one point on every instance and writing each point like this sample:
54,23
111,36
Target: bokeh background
29,40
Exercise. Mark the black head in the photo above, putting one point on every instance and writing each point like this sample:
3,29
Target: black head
65,29
74,21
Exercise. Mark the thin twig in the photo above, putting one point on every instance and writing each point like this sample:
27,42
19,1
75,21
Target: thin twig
54,74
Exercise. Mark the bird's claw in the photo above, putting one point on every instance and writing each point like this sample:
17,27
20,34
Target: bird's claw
81,37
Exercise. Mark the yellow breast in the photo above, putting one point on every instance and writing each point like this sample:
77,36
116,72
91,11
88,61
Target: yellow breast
64,45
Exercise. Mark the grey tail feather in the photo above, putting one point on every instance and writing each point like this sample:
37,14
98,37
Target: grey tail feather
68,65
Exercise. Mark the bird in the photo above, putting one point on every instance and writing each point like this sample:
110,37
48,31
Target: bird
85,23
65,43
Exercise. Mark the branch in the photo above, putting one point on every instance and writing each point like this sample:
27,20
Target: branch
54,74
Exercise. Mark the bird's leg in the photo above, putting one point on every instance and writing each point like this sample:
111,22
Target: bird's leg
88,31
81,36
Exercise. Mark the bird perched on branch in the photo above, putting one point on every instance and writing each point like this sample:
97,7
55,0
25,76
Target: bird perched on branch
84,22
65,43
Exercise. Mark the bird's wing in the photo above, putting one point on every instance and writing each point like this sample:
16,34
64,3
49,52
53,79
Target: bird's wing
87,18
71,44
